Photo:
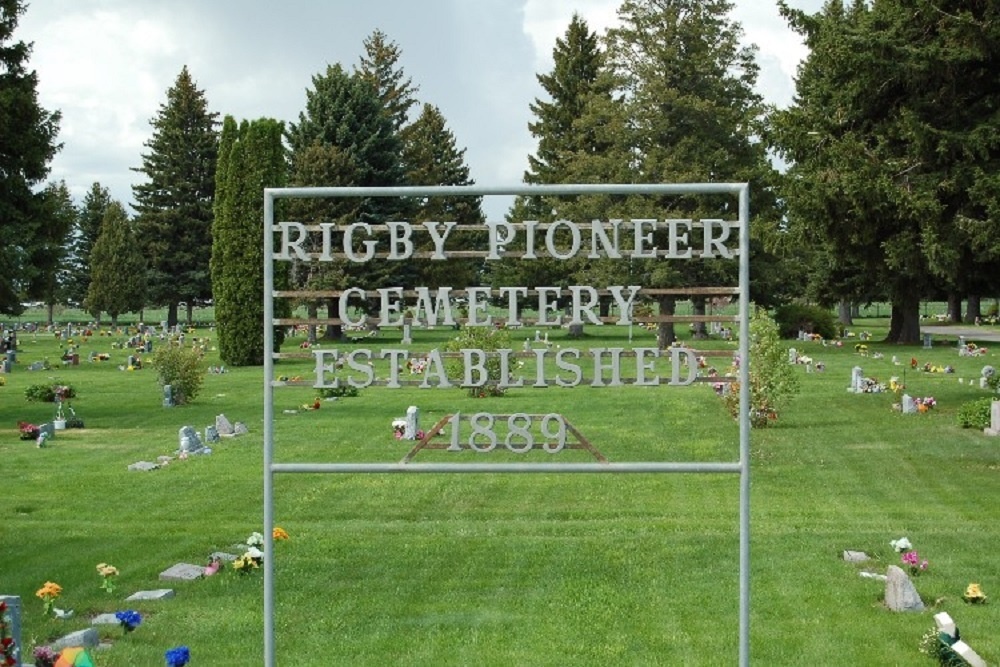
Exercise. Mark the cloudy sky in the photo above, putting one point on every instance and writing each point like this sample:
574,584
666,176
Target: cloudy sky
107,64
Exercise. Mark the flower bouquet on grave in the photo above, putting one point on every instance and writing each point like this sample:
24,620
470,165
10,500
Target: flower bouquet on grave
279,534
28,431
44,656
246,563
129,619
912,560
974,594
48,594
8,648
108,573
178,656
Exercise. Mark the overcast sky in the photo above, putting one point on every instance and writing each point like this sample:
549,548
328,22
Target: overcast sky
107,64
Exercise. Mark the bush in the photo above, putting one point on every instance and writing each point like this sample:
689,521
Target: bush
975,414
46,393
487,339
180,368
794,317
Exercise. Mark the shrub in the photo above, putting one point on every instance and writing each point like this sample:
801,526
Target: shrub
772,378
46,393
794,317
180,368
487,339
975,414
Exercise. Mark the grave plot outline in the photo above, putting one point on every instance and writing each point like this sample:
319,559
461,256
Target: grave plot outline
740,467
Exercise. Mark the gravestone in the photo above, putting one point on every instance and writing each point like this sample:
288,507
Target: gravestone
857,380
35,365
182,572
168,396
148,346
223,425
5,366
143,466
211,434
793,355
190,441
222,555
961,342
88,638
412,423
158,594
900,593
909,405
527,345
240,429
994,428
14,625
855,556
407,338
946,626
105,619
927,341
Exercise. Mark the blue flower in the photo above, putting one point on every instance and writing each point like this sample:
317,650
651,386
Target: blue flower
129,619
178,656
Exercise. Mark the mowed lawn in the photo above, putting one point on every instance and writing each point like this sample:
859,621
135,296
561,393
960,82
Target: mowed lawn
505,569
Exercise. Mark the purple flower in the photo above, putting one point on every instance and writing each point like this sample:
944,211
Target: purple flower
129,619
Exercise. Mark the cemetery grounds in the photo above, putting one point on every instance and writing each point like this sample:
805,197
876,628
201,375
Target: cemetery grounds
494,569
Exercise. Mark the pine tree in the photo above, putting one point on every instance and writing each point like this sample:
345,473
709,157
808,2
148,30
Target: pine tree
49,259
118,267
251,158
175,205
86,228
379,67
27,146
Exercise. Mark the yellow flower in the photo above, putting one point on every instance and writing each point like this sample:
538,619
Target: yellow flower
106,570
973,593
279,533
49,590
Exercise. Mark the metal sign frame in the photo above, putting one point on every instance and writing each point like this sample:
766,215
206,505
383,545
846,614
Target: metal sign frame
741,467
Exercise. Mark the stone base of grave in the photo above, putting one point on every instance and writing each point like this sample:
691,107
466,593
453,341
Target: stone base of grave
105,619
182,572
855,556
158,594
88,638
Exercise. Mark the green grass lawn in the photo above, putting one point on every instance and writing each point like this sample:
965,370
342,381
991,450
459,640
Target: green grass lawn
493,569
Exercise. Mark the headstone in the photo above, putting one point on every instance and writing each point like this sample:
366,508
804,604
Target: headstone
240,429
222,555
168,396
971,657
927,341
14,614
945,624
148,346
407,339
793,355
182,572
211,434
190,441
158,594
12,356
87,638
105,619
223,425
131,361
994,428
527,345
909,405
857,380
5,366
855,556
900,593
35,365
575,331
961,342
143,466
538,336
48,428
412,423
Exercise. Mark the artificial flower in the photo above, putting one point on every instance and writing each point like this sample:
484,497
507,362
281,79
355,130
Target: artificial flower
255,540
974,594
107,572
48,593
279,533
129,619
178,656
902,544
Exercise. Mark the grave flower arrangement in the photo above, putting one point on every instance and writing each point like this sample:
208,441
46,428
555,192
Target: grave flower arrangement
178,656
255,540
245,564
129,619
8,648
900,545
974,594
44,656
108,574
279,533
925,403
28,431
48,594
912,560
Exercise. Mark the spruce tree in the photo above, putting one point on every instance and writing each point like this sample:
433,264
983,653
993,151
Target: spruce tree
86,228
49,258
118,267
27,146
175,205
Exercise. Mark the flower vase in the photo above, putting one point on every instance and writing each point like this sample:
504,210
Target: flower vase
59,424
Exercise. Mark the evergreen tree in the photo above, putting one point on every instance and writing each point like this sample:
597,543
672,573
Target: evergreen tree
175,205
27,146
86,228
52,251
118,267
250,159
379,67
432,157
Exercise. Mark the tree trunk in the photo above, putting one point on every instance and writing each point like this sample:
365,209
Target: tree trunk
333,331
904,324
51,311
855,311
698,308
172,314
604,307
954,307
312,310
665,335
844,311
973,310
190,313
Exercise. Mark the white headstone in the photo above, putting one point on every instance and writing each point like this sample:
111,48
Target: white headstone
857,380
412,423
793,355
407,339
909,405
900,593
994,428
